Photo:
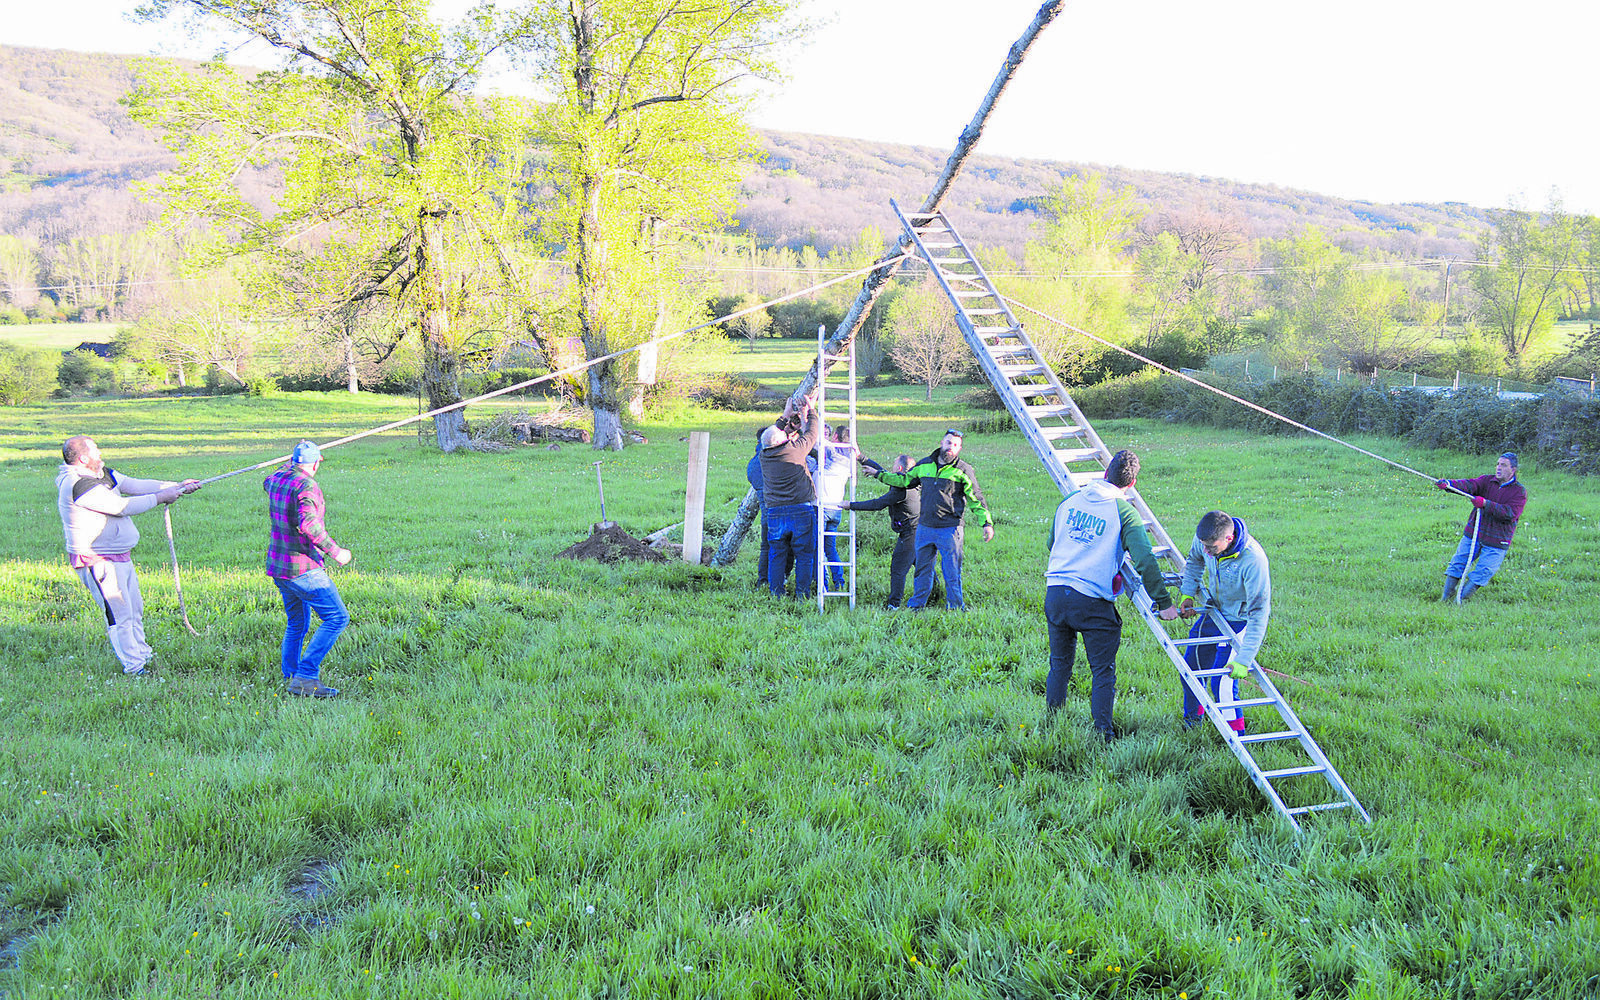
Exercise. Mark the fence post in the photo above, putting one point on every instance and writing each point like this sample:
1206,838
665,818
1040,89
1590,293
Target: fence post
1458,379
1274,373
1413,380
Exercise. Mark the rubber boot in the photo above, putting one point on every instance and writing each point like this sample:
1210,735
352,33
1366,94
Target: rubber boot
1450,584
1467,590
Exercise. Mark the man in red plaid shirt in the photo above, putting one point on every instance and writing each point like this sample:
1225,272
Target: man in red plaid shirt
295,562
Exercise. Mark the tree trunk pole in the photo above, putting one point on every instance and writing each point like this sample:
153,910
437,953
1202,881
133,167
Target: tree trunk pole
875,282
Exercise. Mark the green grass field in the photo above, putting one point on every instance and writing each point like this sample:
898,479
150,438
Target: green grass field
557,778
60,336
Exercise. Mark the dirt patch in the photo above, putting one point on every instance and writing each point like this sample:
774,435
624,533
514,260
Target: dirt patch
611,544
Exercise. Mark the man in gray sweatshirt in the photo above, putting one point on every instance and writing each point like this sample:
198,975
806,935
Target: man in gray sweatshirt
97,505
1093,528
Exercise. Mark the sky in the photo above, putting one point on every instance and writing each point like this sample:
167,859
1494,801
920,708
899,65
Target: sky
1392,101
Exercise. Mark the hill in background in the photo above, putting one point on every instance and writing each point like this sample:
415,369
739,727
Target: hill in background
70,156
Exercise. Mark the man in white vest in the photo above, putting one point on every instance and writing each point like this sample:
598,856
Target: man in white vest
1092,529
97,505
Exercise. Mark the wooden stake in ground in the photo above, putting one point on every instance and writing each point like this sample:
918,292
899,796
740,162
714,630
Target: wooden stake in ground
875,282
694,507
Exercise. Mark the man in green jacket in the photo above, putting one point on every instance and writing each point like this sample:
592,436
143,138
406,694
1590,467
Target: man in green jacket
948,487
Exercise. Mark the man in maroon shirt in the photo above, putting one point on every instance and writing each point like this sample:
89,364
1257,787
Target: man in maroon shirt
295,552
1497,503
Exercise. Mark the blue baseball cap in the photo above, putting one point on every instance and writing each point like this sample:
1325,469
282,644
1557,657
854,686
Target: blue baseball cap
305,453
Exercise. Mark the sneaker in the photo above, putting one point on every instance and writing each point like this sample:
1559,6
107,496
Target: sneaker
310,687
1192,721
1110,735
140,671
891,607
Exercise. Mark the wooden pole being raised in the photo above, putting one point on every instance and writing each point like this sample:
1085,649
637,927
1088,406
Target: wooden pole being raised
875,282
694,506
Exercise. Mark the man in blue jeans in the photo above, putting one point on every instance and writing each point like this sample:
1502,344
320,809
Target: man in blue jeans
295,552
948,487
1226,571
790,498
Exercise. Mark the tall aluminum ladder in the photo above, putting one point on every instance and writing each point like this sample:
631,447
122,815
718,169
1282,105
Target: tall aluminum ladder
845,537
1073,454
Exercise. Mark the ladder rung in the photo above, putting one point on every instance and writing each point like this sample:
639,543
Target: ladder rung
1057,433
970,295
1322,807
1249,703
1205,640
1292,772
1012,371
1268,737
951,260
990,331
1043,389
939,246
984,312
1052,410
1209,671
1079,455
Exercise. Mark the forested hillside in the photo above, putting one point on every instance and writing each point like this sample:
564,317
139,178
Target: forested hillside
70,156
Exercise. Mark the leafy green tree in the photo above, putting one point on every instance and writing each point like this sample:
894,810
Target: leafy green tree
645,134
27,374
392,174
1533,255
927,345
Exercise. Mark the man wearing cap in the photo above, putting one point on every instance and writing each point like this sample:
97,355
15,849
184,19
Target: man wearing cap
948,487
790,498
1497,502
97,505
295,552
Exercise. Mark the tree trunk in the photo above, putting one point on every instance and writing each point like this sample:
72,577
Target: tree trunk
876,281
352,380
441,367
607,413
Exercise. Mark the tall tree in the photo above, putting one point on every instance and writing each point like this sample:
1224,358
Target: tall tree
1533,256
872,288
383,153
646,134
927,346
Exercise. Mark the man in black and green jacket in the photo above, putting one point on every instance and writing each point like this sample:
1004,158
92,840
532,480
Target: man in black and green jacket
948,487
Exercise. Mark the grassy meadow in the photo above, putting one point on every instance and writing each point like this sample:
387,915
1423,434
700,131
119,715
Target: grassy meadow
59,336
549,778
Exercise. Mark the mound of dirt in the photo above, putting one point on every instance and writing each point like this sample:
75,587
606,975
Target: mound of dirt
611,544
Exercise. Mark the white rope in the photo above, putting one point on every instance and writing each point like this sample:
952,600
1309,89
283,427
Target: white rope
574,369
1223,393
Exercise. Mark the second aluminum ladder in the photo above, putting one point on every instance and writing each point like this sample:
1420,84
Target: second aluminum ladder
844,536
1073,454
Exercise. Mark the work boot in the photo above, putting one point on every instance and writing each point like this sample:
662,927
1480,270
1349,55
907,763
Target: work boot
1450,584
1467,590
311,687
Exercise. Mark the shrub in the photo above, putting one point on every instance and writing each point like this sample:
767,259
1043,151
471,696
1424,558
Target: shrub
27,374
730,392
261,386
10,315
85,372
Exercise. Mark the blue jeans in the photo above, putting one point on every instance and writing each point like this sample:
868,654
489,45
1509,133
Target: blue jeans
943,544
1488,562
792,535
302,595
1204,658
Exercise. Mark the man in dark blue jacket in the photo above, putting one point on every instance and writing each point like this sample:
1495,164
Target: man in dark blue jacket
903,506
